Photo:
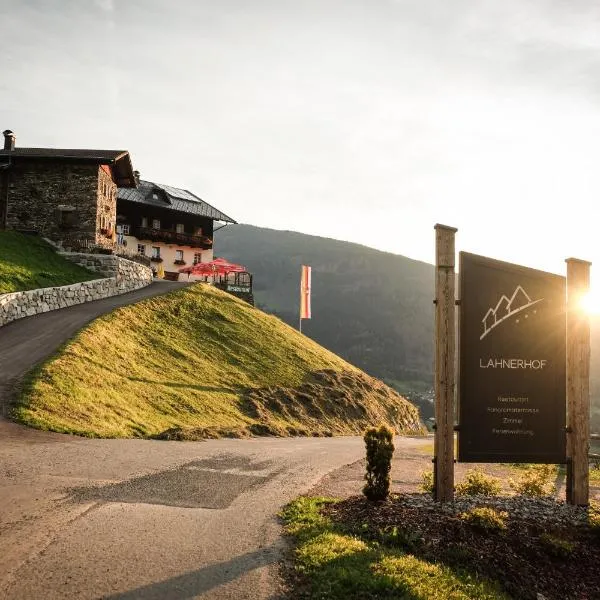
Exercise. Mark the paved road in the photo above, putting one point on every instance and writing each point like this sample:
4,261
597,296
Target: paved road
129,519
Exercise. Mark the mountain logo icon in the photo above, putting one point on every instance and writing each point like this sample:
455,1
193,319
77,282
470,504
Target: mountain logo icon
505,308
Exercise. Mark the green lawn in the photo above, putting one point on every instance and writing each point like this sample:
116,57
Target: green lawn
27,262
188,360
330,563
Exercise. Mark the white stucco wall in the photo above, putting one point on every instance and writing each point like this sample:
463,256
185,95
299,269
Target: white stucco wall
168,253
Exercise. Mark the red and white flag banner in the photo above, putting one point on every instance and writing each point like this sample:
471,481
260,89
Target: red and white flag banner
305,292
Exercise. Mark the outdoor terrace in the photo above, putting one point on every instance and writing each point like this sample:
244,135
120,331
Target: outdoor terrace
169,236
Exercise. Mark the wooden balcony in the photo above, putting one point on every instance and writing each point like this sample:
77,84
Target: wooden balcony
172,237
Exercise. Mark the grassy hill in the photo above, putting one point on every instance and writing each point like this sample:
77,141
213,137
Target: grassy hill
372,308
201,363
28,262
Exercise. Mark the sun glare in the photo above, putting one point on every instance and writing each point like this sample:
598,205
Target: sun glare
590,303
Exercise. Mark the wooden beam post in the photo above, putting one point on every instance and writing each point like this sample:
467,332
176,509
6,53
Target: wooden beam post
578,383
445,367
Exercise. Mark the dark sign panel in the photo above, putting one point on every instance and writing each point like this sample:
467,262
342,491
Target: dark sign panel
512,381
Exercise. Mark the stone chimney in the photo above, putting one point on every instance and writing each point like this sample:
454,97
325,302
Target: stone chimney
9,140
136,176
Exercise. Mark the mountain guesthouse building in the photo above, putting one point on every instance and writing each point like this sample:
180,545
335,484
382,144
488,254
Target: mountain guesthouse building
171,226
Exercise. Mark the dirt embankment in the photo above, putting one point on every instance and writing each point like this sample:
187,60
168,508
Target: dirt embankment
328,403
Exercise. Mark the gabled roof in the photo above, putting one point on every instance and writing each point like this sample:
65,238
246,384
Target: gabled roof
172,198
118,160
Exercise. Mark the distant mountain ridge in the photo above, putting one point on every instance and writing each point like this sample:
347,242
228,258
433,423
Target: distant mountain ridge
373,308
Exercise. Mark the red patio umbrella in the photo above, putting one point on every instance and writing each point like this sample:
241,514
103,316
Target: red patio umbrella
218,266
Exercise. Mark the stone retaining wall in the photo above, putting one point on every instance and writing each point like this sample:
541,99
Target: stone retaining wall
121,276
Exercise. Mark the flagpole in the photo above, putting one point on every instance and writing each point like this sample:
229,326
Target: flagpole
300,304
304,310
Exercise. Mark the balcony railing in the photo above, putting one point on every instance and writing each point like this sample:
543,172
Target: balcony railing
172,237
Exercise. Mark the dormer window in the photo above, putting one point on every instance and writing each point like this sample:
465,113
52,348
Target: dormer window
154,196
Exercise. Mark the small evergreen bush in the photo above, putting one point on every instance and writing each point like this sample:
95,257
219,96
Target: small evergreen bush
534,482
485,519
477,483
556,546
427,481
397,537
594,519
380,448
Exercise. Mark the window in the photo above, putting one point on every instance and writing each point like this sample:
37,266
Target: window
180,228
197,257
197,230
178,254
125,229
142,249
155,251
155,223
66,217
144,221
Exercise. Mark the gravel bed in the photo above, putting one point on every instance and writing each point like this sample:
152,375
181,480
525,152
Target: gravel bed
544,509
546,549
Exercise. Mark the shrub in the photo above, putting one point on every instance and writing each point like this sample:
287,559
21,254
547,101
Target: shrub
477,483
594,519
534,482
556,546
427,481
595,472
397,537
380,448
486,519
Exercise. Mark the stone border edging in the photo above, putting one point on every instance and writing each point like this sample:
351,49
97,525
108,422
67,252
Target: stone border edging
127,276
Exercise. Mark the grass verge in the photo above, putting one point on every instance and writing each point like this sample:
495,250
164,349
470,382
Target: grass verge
200,363
329,562
27,262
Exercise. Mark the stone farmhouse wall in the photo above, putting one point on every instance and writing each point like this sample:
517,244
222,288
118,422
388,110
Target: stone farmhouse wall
68,203
120,276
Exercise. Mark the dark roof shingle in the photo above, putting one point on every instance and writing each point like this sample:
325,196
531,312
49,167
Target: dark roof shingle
119,160
177,199
69,153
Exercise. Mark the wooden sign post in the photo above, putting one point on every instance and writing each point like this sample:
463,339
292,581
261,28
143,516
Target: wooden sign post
445,367
578,383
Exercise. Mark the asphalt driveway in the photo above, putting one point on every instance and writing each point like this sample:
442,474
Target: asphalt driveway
148,519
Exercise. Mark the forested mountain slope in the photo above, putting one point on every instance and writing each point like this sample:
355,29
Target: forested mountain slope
372,308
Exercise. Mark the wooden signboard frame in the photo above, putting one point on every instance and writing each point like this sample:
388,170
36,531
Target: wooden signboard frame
577,373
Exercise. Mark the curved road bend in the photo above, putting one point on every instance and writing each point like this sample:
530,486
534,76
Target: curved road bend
26,342
141,519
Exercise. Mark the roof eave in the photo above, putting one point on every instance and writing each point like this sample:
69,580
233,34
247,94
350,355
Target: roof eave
123,171
226,220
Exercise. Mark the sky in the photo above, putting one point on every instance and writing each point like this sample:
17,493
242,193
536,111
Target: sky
362,120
